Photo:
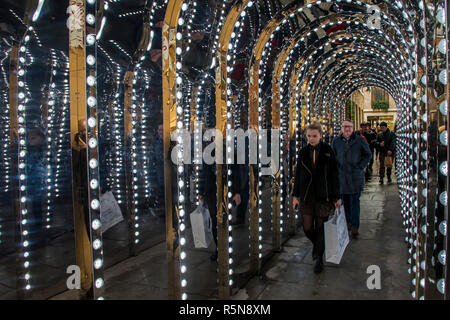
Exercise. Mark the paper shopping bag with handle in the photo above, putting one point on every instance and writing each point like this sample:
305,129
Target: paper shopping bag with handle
201,226
336,236
110,213
388,161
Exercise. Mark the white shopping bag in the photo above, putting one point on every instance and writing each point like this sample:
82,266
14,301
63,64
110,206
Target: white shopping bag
336,236
201,226
110,213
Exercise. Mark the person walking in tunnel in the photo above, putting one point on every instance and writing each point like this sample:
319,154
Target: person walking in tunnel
353,155
35,169
386,144
241,183
157,169
371,139
316,189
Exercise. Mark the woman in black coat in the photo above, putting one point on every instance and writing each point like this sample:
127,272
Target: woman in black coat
316,189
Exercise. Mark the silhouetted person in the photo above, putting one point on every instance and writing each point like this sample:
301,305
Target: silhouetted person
371,139
157,168
386,144
35,171
79,163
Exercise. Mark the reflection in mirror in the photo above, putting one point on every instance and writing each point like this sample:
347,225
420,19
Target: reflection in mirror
243,37
438,146
131,148
10,34
196,110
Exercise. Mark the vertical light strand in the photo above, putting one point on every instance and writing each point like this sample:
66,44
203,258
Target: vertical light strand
223,125
92,148
181,174
440,71
443,226
418,241
430,174
170,110
22,98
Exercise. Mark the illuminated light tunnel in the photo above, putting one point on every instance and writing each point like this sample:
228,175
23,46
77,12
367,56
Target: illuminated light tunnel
93,90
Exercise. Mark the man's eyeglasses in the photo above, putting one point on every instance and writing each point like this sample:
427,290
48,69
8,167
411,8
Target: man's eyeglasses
347,126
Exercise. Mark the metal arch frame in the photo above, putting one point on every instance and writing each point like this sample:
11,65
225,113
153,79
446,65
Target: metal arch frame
346,87
378,72
169,124
355,20
324,80
432,173
392,93
275,109
385,36
377,68
446,211
341,95
297,81
93,172
330,66
345,32
361,80
315,86
332,52
273,24
419,241
129,125
221,121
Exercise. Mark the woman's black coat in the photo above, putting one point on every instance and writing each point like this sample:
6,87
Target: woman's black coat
326,174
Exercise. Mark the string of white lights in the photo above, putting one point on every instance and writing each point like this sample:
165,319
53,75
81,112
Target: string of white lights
92,151
23,96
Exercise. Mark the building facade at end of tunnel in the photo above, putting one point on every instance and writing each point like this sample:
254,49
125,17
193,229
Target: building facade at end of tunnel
93,170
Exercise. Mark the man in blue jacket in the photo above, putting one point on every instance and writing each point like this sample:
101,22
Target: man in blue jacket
353,155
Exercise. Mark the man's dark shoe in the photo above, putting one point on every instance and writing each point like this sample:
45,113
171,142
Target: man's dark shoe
355,233
381,181
318,267
389,180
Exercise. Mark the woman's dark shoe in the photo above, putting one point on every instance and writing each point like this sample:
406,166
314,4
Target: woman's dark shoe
355,233
314,253
318,267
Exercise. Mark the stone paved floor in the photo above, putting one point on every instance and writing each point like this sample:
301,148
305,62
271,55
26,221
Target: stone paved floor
289,275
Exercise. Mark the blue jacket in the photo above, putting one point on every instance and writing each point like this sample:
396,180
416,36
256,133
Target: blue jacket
352,157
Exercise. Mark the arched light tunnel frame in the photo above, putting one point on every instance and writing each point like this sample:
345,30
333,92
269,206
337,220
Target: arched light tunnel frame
297,78
221,111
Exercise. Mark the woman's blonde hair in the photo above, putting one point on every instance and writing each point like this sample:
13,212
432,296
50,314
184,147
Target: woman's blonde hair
315,126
